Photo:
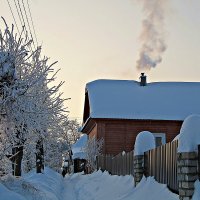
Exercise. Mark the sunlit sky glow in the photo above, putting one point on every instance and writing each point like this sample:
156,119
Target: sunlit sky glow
95,39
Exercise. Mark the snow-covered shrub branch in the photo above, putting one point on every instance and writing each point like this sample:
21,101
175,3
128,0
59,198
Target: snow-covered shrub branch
71,131
92,149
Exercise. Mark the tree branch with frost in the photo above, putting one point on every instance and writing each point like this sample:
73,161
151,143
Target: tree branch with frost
93,149
27,103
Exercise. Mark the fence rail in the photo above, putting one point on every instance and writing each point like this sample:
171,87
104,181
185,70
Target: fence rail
121,164
161,163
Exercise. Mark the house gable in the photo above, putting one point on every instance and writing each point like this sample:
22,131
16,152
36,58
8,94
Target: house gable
86,112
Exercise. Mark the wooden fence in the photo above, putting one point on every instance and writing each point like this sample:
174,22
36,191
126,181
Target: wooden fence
162,164
121,164
199,161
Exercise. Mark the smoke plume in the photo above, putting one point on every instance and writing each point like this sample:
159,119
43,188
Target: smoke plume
152,35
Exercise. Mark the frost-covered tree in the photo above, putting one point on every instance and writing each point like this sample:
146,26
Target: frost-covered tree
31,106
92,149
14,56
71,131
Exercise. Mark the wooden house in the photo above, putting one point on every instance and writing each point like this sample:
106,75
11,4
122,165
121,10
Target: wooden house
118,110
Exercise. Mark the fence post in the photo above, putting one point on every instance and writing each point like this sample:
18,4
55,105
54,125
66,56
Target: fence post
187,174
138,168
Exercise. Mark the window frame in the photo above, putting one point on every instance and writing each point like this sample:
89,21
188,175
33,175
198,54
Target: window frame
162,135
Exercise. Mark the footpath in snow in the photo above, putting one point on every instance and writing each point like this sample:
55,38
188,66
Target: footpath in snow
96,186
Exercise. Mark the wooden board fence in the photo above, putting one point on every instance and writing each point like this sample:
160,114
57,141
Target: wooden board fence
161,163
121,164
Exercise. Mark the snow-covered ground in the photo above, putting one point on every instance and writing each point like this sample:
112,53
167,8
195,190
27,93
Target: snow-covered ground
96,186
32,186
102,186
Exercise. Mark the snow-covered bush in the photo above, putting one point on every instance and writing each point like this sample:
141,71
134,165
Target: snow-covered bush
92,149
73,133
145,141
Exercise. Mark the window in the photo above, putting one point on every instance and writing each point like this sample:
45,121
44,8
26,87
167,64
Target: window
160,139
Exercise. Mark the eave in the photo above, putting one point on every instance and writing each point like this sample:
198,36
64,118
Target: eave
88,125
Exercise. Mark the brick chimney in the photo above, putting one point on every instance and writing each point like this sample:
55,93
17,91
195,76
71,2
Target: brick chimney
143,80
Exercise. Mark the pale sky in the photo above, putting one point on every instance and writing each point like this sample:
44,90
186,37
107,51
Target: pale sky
99,39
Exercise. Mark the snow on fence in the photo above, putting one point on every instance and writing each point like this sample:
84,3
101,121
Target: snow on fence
161,163
121,164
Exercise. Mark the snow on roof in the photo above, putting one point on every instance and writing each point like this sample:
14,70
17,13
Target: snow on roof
145,141
189,137
126,99
78,148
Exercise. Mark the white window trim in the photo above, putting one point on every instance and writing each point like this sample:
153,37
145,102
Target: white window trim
162,135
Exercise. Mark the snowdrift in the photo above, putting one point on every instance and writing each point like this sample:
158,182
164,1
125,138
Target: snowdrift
32,186
98,186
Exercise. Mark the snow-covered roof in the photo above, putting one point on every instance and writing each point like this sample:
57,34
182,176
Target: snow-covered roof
126,99
78,148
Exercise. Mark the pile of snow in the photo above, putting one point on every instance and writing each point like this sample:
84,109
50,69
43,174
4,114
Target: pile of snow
189,137
78,147
145,141
149,189
32,186
196,195
6,194
98,186
102,186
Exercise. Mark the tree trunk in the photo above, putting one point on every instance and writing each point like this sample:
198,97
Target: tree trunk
17,155
39,156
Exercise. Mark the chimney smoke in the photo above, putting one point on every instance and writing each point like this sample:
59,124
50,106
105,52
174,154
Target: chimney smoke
152,35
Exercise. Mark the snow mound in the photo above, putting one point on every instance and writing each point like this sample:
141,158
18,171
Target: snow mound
189,137
99,186
33,186
145,141
196,195
103,186
6,194
150,189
